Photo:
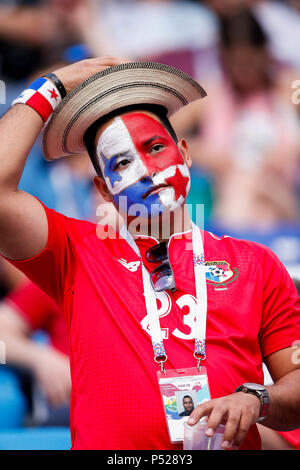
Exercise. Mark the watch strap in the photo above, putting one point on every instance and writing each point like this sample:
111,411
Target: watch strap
263,396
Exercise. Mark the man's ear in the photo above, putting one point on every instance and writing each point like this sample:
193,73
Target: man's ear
101,187
184,149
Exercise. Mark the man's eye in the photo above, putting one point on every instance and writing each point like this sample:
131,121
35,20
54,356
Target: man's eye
122,164
157,148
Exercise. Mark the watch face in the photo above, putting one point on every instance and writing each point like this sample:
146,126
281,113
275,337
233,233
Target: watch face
253,386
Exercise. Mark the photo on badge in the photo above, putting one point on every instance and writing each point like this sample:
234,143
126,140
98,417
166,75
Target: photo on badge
182,390
186,402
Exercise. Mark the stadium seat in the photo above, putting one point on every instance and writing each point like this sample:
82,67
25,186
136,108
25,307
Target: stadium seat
13,404
35,439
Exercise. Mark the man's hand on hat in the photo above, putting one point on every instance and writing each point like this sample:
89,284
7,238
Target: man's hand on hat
74,74
237,411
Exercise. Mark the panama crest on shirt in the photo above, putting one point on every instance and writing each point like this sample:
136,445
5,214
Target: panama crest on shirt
220,272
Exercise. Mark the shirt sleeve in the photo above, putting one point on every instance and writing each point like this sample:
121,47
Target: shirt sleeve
33,305
280,322
51,270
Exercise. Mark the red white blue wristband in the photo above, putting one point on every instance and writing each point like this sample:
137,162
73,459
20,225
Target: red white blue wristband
42,95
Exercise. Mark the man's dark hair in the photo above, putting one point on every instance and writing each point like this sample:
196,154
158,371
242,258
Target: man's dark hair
90,134
188,396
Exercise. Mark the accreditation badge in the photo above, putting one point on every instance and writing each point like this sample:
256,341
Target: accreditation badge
182,390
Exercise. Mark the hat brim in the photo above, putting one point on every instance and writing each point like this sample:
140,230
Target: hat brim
113,88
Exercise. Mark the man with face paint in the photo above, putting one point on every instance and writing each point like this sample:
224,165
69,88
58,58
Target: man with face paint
140,160
252,304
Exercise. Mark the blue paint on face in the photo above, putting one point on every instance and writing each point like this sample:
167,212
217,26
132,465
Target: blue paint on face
109,169
134,194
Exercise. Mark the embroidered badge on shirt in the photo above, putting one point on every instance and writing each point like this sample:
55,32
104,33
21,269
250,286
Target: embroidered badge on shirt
220,272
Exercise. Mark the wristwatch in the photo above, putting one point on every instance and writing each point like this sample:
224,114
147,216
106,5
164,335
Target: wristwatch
261,392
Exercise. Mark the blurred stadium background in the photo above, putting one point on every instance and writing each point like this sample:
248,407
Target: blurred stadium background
244,140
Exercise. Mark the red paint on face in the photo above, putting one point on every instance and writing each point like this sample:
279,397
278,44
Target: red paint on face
146,134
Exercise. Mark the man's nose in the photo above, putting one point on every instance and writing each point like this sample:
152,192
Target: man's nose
151,169
149,176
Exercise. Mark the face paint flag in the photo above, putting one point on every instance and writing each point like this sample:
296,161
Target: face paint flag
140,160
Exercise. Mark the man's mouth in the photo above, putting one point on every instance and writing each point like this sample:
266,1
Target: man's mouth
155,189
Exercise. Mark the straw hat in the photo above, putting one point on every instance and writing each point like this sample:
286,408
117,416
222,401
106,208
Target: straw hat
113,88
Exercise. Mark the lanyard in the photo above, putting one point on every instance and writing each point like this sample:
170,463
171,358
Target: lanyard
201,299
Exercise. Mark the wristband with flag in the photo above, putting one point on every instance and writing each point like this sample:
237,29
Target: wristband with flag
42,95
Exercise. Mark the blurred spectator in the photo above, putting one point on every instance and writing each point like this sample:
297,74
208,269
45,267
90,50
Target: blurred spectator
248,133
282,25
225,8
34,33
42,365
164,30
157,27
295,4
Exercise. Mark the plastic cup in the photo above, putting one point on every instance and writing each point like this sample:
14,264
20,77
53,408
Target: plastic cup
196,439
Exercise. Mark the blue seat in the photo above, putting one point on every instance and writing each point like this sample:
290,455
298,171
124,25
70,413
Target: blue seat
13,404
35,439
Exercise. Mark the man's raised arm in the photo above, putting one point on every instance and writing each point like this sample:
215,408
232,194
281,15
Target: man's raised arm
23,222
